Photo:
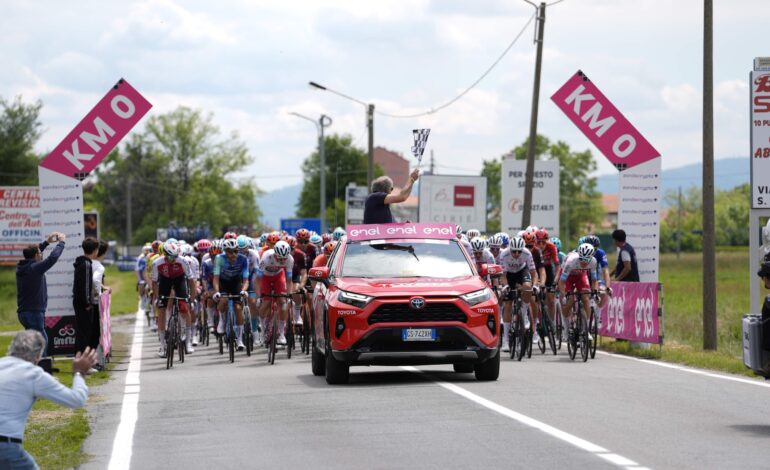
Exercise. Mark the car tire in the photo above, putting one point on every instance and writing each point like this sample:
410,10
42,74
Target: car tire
488,370
463,368
317,362
337,372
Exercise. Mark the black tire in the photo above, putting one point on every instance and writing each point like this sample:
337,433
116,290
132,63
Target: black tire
559,327
584,344
488,370
529,341
289,335
231,342
594,330
248,338
572,340
541,332
273,339
170,342
464,367
317,361
513,339
221,342
181,346
521,339
337,372
551,338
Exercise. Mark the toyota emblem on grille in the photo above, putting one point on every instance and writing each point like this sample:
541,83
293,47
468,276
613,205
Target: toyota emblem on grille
417,303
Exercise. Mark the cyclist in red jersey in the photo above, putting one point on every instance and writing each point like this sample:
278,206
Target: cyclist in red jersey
299,276
530,240
171,271
550,256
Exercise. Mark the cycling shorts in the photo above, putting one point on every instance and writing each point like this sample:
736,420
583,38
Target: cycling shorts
550,275
519,277
579,282
231,287
275,284
179,284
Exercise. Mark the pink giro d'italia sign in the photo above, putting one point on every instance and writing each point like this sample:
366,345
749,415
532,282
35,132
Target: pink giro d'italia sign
410,230
633,313
602,123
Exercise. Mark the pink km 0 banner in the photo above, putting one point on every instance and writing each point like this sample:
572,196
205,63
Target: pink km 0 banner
633,312
600,121
98,132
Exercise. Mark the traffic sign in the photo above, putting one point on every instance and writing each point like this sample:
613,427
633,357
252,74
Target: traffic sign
292,225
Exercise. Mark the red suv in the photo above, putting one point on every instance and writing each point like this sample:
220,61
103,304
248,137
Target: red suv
403,294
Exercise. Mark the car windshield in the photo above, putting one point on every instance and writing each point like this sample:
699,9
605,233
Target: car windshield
418,258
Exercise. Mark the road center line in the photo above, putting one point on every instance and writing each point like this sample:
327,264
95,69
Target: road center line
689,369
124,437
581,444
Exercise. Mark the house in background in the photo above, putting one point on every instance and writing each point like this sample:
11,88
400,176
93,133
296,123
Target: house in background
393,164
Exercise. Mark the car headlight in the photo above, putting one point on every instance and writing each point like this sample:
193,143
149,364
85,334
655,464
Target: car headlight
351,298
477,297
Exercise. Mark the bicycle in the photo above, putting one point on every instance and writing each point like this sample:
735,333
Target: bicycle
578,330
593,324
174,332
271,334
228,337
519,338
304,330
545,327
248,335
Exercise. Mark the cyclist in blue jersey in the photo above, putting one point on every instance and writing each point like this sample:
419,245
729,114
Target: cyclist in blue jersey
231,276
602,269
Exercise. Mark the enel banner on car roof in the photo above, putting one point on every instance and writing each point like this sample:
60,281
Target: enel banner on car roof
409,230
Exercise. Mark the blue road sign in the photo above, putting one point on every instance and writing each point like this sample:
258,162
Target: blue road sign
292,225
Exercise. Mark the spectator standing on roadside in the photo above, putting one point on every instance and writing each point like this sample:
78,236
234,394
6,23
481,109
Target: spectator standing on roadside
627,269
22,382
377,205
99,287
85,297
31,287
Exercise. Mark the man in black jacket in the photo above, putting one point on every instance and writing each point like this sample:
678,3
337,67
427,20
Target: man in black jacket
85,299
31,288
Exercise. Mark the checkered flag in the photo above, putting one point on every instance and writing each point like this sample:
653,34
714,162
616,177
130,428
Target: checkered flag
420,140
621,166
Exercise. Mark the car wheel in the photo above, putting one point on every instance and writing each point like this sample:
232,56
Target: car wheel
317,361
337,372
463,368
489,370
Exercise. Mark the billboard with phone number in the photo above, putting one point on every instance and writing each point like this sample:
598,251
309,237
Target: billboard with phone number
20,223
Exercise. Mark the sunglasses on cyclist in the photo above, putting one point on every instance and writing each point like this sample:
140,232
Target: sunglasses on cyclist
231,251
515,252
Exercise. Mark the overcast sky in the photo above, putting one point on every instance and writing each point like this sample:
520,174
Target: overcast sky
248,62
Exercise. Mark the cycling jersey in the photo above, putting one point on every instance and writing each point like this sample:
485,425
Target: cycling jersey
485,258
537,257
467,245
299,265
141,267
207,274
310,253
514,264
162,268
226,270
195,267
270,266
550,254
576,274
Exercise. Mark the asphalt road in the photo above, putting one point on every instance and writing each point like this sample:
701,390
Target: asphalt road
543,412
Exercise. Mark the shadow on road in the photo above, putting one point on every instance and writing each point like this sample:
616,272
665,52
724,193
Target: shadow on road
757,429
359,377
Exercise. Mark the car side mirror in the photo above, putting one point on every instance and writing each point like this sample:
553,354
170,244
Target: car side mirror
319,274
491,270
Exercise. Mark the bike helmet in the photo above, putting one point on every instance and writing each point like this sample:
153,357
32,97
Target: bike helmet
216,247
243,242
204,245
326,238
556,241
764,270
517,244
292,241
478,244
173,240
473,233
521,233
496,241
171,249
585,252
529,238
316,240
273,238
187,250
156,245
505,239
230,235
594,240
229,244
262,238
583,239
531,228
338,233
282,249
302,234
147,249
458,230
541,234
329,247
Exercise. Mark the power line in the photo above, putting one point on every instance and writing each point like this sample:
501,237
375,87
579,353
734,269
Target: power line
473,85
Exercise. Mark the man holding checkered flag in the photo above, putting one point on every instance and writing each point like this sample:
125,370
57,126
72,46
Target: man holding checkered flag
377,205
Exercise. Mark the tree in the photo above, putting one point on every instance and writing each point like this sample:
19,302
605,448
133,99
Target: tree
344,164
179,170
19,131
580,203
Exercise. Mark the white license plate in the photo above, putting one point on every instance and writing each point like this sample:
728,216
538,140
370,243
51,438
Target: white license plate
418,334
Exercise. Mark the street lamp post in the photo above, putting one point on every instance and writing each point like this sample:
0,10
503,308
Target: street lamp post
369,126
323,122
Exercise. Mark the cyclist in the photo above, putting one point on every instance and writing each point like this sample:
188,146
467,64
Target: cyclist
578,274
326,238
207,281
231,276
463,240
557,242
520,272
186,252
530,240
245,248
157,248
270,241
496,246
171,271
299,276
272,265
602,271
140,268
481,255
338,233
551,266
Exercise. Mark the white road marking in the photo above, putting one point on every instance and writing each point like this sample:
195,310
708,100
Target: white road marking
689,369
582,444
124,437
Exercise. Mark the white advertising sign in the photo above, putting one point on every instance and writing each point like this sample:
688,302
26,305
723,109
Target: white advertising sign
545,195
355,198
454,199
19,221
639,215
760,139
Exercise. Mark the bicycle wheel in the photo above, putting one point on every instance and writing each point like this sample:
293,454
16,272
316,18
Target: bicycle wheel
289,333
521,341
541,337
528,337
273,339
180,341
248,337
594,330
572,336
550,332
170,341
584,344
559,329
308,325
512,339
230,332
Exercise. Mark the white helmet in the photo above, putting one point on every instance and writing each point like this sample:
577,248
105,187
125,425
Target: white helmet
171,249
585,252
230,244
478,244
496,241
187,250
282,249
458,229
473,233
521,233
517,244
338,233
531,228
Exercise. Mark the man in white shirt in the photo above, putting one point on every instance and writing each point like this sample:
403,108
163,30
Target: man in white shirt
22,382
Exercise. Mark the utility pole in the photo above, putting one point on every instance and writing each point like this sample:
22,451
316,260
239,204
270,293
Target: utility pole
370,128
129,222
709,238
679,225
528,179
432,163
323,121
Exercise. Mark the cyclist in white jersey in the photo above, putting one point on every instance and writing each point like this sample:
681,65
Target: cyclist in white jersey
274,273
520,273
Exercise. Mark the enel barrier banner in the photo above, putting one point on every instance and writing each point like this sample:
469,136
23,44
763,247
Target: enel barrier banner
390,231
634,312
106,325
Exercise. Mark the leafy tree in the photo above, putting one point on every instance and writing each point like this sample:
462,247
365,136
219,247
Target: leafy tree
19,131
344,164
178,170
580,203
